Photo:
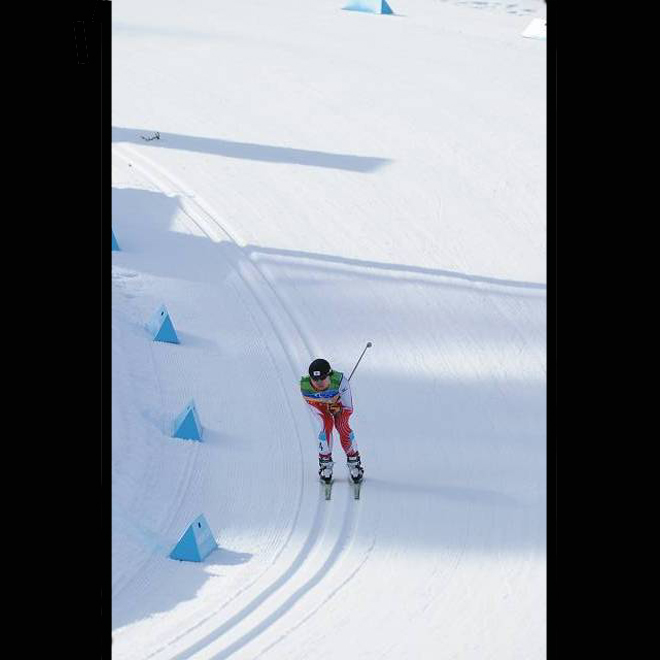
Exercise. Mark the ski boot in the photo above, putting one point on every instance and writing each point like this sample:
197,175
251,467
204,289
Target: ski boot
325,469
355,468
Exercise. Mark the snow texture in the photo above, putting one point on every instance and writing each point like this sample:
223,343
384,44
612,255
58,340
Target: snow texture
324,178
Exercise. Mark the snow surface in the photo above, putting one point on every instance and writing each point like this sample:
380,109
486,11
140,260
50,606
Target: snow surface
325,178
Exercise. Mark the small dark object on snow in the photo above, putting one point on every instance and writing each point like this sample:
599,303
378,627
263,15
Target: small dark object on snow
154,137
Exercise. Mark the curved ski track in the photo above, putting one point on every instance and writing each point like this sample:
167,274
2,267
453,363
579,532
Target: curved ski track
322,548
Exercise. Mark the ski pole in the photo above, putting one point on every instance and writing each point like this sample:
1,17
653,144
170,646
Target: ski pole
360,358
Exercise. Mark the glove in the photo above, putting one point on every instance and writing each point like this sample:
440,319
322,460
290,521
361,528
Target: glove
334,405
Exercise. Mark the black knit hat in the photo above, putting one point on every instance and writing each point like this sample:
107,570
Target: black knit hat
319,369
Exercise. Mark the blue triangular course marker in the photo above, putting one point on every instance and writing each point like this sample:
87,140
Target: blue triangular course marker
115,245
370,6
187,425
161,327
196,543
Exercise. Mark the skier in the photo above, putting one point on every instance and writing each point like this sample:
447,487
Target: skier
329,394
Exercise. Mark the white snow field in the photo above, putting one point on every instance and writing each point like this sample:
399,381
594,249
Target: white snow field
325,178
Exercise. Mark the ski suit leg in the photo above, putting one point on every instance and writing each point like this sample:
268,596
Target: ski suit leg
326,424
346,435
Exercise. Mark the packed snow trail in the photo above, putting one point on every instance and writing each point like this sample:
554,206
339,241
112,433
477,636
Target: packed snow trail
322,178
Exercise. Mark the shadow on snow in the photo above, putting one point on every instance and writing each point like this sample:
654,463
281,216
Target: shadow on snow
250,151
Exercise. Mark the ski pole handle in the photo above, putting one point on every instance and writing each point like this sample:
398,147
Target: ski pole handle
360,358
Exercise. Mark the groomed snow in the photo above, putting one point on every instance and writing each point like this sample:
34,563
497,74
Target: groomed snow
325,178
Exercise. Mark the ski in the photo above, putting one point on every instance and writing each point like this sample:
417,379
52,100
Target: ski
327,488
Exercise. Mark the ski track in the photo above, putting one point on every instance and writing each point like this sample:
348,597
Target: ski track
350,534
263,610
344,537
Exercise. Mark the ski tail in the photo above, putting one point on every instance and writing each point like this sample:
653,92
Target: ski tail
327,489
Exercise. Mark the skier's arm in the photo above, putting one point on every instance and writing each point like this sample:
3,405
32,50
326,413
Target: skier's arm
345,395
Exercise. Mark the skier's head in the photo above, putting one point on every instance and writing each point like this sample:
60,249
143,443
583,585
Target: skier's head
319,369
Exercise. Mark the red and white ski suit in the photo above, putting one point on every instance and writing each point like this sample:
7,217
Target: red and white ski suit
328,420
